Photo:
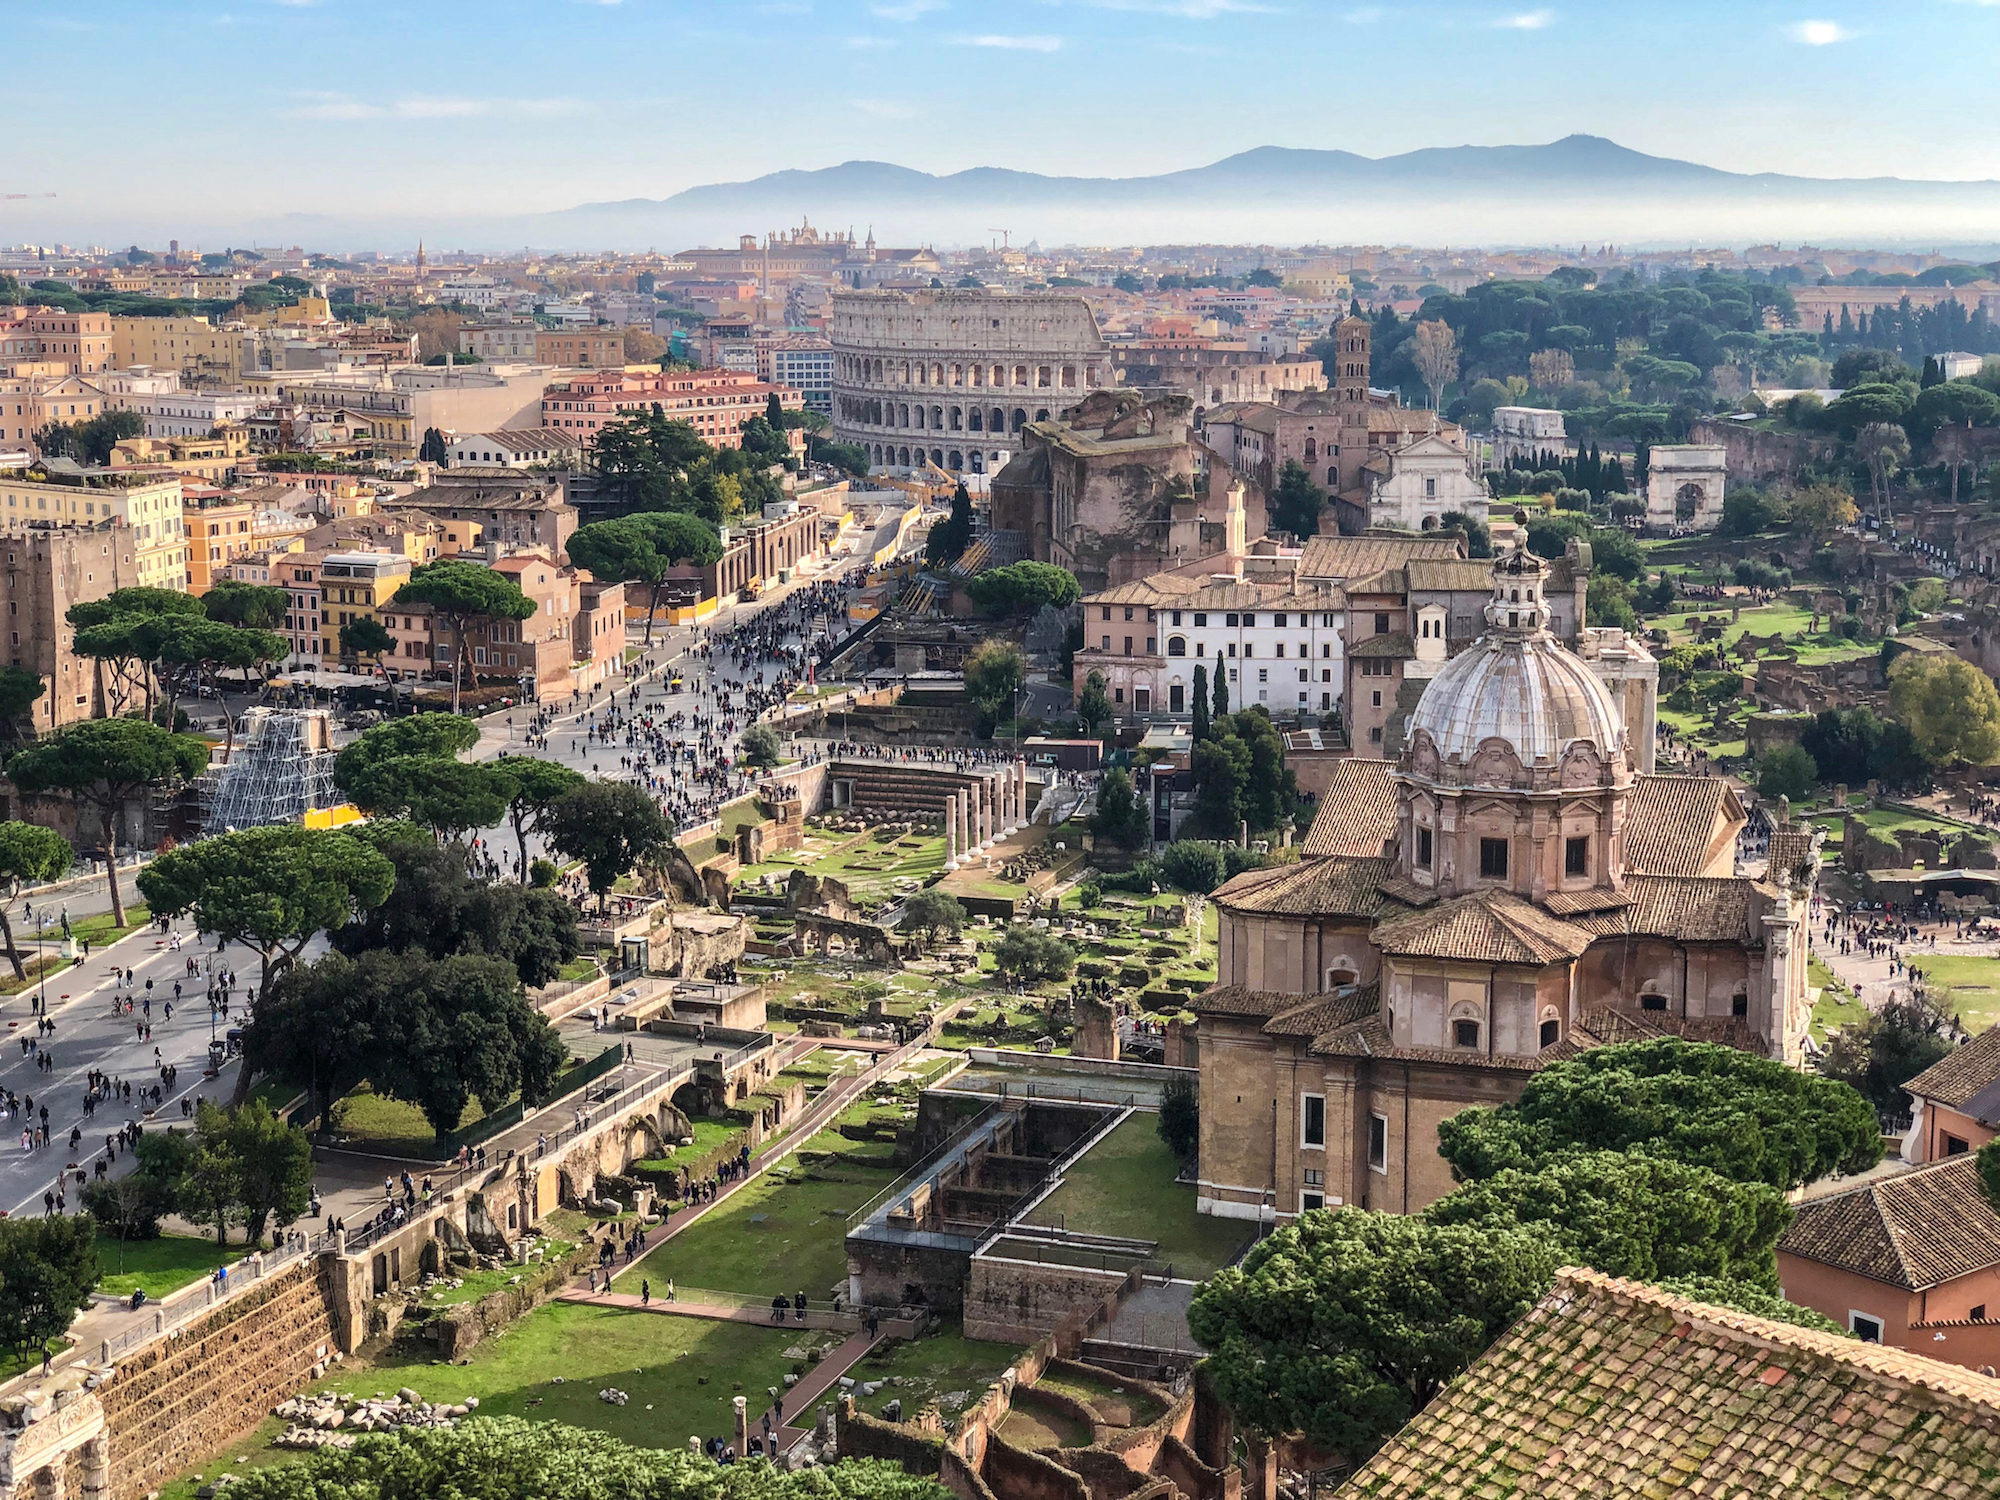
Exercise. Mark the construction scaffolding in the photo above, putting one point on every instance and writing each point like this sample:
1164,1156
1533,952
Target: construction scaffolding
281,769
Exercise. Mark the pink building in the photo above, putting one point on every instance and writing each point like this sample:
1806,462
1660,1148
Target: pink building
716,403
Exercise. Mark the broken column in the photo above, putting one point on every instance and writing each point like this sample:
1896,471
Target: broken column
742,1406
950,836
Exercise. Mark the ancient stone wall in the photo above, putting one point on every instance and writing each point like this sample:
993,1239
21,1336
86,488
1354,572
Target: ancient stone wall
179,1401
1018,1301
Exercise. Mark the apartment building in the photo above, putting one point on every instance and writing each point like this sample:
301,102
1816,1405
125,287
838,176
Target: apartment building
504,341
30,402
575,637
534,447
354,586
806,366
521,510
580,348
47,570
150,505
716,403
194,347
220,527
71,343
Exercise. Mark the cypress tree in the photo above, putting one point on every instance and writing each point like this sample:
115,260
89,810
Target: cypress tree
1221,695
1200,703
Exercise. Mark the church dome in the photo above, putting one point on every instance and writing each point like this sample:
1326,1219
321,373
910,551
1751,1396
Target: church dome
1517,683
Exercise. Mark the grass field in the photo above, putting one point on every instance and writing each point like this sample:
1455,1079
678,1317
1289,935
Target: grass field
1973,985
679,1372
159,1266
946,1367
1125,1186
778,1233
1837,1006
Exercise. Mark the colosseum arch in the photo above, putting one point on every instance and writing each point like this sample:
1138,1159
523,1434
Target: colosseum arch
958,419
954,460
1020,419
975,420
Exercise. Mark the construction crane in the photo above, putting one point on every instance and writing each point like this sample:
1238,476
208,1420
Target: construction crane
1003,233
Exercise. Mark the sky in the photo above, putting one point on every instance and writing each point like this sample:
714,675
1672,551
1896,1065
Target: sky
157,112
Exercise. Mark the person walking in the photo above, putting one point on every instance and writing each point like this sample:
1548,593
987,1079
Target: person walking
645,1293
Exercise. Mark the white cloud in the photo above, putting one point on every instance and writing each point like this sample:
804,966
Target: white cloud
1527,20
1819,33
328,105
883,109
1011,43
905,10
1190,10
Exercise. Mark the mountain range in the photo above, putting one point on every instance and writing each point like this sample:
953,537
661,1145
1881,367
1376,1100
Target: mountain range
1580,187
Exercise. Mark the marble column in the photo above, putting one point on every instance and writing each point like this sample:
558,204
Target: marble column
950,836
49,1481
1021,774
986,812
965,839
96,1456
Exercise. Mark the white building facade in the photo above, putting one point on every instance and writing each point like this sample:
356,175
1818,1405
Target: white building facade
1414,486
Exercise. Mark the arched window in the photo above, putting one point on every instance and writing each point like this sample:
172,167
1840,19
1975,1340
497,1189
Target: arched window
1551,1030
1020,419
1312,450
937,419
1465,1033
999,420
958,419
1652,1002
955,460
1177,645
974,420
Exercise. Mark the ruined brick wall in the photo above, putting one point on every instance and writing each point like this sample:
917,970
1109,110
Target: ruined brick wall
176,1403
1011,1301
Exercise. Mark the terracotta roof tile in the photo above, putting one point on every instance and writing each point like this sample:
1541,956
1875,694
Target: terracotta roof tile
1957,1077
1679,825
1395,645
1323,1013
1236,1000
1340,558
1613,1388
1471,575
1691,908
1486,927
1369,1037
1313,887
1357,811
1915,1230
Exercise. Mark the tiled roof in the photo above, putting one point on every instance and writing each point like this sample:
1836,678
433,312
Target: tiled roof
1471,575
1395,645
1573,903
1957,1077
1679,825
1369,1037
1312,888
1916,1230
1236,1000
1789,850
1612,1388
1357,811
1325,1013
1485,927
1340,558
1691,908
1606,1025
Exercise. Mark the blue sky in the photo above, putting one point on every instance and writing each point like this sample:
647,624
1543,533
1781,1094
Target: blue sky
143,107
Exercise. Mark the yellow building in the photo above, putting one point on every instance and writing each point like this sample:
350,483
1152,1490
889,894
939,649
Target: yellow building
353,585
215,460
307,312
36,397
194,346
150,505
220,529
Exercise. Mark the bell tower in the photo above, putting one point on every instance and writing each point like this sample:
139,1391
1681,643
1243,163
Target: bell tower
1352,337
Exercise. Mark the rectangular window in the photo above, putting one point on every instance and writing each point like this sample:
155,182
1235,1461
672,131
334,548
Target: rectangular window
1424,848
1200,618
1378,1143
1953,1146
1263,674
1278,620
1576,856
1312,1121
1229,620
1310,1202
1493,859
1865,1328
1381,624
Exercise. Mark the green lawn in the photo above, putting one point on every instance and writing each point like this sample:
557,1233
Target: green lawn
1125,1186
160,1265
1837,1006
679,1372
946,1367
1973,985
1103,1397
375,1121
579,971
778,1233
1035,1430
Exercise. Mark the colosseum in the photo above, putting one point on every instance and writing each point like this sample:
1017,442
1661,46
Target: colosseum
954,376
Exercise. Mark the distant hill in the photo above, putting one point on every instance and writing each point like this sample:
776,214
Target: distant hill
1581,187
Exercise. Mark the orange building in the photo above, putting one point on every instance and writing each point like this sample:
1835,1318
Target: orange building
581,348
716,403
221,527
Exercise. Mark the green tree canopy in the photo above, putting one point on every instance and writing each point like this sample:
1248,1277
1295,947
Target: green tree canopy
19,688
1119,817
1032,955
1886,1048
612,826
1750,1118
104,764
503,1458
273,889
1093,705
1643,1217
644,548
1342,1326
256,606
931,912
1024,587
1951,708
440,911
459,592
450,797
29,855
1786,771
1297,504
994,672
537,784
760,745
436,736
48,1267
